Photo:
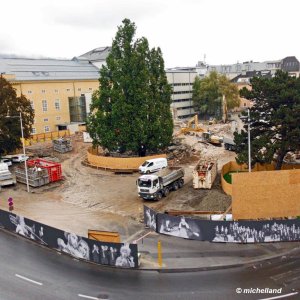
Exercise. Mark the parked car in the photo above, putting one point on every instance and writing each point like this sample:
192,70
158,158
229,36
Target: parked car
6,161
19,158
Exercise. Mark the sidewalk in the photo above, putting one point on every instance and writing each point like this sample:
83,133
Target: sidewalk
188,255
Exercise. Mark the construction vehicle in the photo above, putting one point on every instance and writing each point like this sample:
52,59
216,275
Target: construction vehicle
157,185
229,144
6,177
208,137
192,125
204,174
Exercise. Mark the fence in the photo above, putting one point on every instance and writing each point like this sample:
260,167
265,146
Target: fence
117,163
223,231
47,136
113,254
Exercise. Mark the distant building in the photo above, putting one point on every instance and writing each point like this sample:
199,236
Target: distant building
181,80
289,64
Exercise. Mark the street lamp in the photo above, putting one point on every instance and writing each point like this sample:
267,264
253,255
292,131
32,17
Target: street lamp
23,143
247,118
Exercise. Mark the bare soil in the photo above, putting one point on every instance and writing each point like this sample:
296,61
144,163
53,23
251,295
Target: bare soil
88,198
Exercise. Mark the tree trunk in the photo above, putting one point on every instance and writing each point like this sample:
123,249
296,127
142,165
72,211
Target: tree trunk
280,158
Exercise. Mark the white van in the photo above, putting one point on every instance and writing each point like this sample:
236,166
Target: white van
19,158
153,165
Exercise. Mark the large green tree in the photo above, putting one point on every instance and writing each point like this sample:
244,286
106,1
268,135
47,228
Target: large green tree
274,119
132,106
214,95
10,108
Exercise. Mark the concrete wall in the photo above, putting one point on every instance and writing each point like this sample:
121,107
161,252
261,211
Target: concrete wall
117,163
266,194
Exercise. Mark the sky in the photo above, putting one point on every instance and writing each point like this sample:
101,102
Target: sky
187,31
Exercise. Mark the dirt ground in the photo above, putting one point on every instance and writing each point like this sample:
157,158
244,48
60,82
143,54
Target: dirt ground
88,198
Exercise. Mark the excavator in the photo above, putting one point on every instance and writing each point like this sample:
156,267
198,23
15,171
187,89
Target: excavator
192,125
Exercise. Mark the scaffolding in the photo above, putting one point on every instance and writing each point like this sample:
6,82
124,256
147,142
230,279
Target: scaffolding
36,176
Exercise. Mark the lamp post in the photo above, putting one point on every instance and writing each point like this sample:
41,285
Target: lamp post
249,142
23,143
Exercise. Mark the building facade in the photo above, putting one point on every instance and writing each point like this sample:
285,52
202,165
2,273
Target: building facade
181,80
59,90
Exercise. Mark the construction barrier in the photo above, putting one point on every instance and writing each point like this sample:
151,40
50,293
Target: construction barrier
223,231
47,136
104,253
117,163
233,166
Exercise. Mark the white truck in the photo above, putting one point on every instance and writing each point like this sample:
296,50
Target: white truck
157,185
204,174
6,178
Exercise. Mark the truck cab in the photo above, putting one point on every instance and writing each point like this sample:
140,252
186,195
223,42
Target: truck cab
148,185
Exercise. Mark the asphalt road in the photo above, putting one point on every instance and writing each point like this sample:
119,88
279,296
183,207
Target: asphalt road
29,271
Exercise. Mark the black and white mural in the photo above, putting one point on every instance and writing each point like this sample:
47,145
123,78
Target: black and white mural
150,218
228,231
113,254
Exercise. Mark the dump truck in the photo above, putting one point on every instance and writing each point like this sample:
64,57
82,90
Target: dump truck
6,177
211,138
158,185
204,174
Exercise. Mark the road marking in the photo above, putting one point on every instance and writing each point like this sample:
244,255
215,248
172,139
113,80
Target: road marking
135,241
281,296
30,280
87,297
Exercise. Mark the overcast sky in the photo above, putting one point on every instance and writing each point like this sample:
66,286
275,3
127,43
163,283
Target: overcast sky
225,31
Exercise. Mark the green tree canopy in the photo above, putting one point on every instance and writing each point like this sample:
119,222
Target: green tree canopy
275,119
11,105
215,94
132,106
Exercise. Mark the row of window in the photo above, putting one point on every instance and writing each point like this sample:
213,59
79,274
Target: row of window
182,100
57,118
45,105
46,129
181,83
56,91
185,107
182,92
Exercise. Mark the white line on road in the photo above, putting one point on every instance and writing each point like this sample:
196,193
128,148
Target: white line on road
87,297
27,279
281,296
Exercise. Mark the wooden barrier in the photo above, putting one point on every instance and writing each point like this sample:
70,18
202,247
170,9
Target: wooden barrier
47,136
266,194
117,163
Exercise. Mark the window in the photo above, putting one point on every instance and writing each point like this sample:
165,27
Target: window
57,118
43,91
56,91
47,128
90,89
44,105
29,92
57,104
46,120
79,89
68,90
33,130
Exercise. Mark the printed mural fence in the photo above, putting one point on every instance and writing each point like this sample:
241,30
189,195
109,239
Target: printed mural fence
223,231
104,253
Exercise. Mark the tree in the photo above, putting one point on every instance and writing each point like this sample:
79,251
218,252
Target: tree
11,105
274,117
132,107
215,94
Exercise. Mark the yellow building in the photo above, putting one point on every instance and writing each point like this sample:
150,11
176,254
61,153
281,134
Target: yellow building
59,90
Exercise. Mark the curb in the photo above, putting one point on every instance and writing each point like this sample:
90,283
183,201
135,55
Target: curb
219,267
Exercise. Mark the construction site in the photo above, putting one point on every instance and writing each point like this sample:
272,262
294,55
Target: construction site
65,192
